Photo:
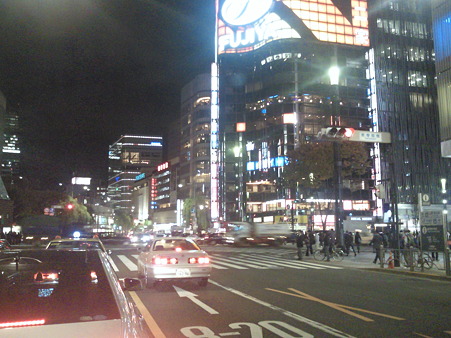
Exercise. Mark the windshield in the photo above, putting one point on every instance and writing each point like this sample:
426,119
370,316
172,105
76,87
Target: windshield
79,244
173,244
55,287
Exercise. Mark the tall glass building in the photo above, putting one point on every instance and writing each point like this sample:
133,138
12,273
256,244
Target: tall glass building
275,93
404,103
441,14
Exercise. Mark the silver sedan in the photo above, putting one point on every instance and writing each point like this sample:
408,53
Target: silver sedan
173,258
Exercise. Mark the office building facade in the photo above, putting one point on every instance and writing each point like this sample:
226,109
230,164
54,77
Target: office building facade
129,157
404,103
193,171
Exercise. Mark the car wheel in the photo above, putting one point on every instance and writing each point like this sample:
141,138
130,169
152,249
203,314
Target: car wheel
203,282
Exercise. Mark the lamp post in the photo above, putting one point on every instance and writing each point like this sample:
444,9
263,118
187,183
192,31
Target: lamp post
445,228
334,75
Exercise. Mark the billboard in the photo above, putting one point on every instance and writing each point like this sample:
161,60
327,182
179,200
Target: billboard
244,26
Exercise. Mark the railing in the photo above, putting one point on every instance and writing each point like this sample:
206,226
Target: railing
412,258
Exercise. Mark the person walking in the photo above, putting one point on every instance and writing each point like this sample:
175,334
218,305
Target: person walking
377,241
357,241
327,241
311,241
300,239
349,243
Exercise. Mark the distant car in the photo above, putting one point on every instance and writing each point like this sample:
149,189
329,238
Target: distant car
213,239
65,293
77,244
4,244
141,238
114,239
173,259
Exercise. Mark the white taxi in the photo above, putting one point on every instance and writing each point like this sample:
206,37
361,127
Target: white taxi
173,259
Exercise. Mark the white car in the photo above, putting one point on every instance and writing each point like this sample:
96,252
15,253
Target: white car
65,293
173,258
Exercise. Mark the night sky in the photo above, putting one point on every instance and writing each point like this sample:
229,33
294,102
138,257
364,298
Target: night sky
83,72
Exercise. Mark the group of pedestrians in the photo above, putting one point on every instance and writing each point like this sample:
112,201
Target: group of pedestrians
12,237
327,240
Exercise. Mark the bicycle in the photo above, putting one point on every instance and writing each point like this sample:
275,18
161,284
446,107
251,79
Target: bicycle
337,254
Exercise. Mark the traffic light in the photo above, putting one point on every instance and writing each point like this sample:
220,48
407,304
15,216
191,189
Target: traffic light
69,206
336,132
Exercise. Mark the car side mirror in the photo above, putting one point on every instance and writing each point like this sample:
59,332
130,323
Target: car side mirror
131,284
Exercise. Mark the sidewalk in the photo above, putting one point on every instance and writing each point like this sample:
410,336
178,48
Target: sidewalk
364,260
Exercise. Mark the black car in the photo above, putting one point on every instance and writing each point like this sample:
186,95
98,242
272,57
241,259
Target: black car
213,239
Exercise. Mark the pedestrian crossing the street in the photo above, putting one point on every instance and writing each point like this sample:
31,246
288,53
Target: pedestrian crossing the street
243,260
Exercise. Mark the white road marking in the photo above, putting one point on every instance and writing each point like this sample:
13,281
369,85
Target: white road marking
296,262
192,296
243,262
128,263
234,266
290,265
316,325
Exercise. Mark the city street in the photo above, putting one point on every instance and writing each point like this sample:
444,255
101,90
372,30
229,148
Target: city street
267,292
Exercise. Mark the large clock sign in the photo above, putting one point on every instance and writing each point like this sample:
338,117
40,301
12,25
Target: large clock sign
244,12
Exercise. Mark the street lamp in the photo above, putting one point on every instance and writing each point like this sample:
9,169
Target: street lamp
445,229
334,76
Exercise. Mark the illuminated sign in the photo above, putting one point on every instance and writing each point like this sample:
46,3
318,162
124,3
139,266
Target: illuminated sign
240,12
244,26
163,166
140,177
241,127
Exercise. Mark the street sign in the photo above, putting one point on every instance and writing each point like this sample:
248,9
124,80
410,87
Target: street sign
370,137
432,238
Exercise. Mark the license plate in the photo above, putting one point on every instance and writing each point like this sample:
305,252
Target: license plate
182,272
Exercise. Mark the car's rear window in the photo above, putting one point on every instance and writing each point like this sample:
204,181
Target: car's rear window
83,245
54,286
172,244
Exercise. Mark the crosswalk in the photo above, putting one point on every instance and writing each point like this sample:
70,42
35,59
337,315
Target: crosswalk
242,260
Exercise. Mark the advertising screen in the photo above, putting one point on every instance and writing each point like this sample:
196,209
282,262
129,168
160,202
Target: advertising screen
244,26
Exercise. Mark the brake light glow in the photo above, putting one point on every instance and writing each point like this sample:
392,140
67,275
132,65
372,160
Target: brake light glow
164,260
45,277
199,260
23,323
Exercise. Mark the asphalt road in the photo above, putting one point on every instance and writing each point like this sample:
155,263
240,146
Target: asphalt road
266,292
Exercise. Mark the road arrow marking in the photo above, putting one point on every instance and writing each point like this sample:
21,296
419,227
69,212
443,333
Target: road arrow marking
192,296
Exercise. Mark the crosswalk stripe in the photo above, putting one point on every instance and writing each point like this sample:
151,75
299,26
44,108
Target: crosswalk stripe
128,263
284,264
319,265
243,262
229,265
218,267
299,263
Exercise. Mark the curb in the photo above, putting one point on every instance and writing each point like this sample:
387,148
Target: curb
410,273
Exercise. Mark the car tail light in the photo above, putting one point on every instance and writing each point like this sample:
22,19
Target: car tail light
164,260
199,260
46,277
94,277
23,323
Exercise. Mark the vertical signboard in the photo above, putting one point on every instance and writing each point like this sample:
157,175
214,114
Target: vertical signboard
431,231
